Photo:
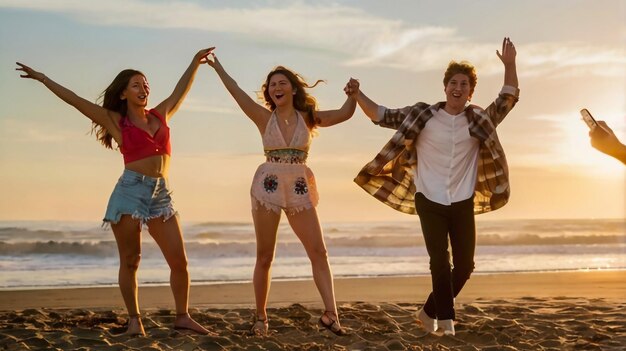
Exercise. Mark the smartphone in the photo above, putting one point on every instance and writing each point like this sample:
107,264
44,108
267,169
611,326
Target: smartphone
588,118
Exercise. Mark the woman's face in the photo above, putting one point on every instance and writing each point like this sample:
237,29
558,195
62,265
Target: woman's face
137,91
280,90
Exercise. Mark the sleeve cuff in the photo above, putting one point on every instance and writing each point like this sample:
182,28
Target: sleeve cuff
380,114
511,90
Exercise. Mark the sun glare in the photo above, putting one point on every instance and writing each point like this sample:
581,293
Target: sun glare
575,149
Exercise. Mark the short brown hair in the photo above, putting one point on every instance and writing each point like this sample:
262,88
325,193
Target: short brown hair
462,67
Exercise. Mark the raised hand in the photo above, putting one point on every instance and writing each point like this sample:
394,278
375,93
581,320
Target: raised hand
202,55
212,60
352,87
508,52
30,73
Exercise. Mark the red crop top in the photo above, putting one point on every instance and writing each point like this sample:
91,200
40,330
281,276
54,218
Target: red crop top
138,144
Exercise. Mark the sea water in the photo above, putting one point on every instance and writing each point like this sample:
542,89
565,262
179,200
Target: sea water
36,254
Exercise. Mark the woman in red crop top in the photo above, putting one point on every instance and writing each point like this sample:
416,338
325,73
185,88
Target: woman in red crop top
142,195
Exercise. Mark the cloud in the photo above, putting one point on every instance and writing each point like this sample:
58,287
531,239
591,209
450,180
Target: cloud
577,59
358,37
31,132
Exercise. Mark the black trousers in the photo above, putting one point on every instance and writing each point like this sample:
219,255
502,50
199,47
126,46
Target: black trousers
439,222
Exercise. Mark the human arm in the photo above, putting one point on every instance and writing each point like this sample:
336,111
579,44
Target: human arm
332,117
257,113
604,140
98,114
508,59
509,95
379,114
170,105
369,107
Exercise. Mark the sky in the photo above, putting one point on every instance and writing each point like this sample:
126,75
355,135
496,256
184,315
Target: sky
570,55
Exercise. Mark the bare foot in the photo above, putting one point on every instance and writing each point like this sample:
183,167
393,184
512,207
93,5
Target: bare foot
135,327
185,322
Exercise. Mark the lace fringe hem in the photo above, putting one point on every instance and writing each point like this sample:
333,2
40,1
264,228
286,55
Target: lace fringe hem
166,213
256,203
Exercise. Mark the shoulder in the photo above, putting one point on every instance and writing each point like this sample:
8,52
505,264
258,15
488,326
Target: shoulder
423,110
475,110
156,113
418,108
312,118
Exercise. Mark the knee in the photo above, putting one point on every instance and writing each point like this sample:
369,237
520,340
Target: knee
464,271
319,256
178,264
130,262
439,264
264,259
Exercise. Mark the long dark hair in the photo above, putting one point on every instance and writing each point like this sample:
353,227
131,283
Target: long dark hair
302,101
111,100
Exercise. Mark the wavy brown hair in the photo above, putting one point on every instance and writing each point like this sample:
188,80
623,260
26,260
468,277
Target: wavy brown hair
302,101
462,67
111,100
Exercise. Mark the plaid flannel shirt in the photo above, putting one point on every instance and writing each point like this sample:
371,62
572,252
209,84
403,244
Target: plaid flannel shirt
389,176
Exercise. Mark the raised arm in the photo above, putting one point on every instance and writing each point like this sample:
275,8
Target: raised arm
369,107
257,113
379,114
170,105
96,113
331,117
508,59
508,97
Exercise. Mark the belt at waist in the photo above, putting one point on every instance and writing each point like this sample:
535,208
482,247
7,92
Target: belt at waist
286,156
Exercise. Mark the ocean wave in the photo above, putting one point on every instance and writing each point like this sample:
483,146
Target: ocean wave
19,234
13,231
101,249
344,245
534,239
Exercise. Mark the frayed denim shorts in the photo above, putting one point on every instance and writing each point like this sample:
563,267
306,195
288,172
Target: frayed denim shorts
140,196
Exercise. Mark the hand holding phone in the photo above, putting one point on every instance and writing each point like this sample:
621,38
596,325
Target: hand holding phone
588,118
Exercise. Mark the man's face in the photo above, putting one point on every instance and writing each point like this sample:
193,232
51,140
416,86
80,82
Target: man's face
458,90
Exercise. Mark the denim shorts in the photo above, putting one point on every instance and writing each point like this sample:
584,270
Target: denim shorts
140,196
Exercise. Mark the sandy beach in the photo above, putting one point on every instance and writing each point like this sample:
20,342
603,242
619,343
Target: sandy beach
524,311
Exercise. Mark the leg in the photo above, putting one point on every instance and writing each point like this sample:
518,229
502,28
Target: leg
435,228
265,227
307,227
463,243
128,238
169,237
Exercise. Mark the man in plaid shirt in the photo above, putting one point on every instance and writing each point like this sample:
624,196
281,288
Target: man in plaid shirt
445,163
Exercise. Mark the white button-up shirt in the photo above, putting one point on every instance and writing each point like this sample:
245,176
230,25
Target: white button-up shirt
389,181
447,159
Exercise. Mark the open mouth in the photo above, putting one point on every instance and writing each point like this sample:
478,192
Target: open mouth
278,96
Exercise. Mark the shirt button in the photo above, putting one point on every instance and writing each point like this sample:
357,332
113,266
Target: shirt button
157,149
